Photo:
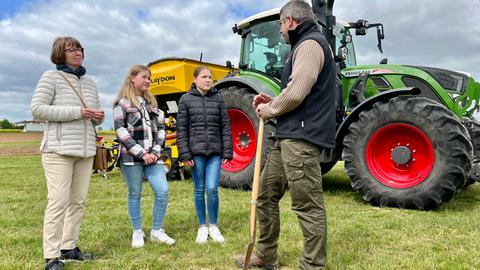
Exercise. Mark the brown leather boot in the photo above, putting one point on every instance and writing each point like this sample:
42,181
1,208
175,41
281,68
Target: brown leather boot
256,262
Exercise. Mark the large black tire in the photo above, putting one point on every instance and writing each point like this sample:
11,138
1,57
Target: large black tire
241,99
174,173
172,167
452,153
473,127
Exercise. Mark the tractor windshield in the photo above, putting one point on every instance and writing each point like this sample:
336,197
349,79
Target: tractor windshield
265,50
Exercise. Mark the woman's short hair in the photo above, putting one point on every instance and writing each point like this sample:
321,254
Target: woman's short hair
58,49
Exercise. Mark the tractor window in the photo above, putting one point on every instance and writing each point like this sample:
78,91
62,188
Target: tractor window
265,50
351,57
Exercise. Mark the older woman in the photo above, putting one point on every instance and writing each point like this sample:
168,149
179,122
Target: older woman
68,101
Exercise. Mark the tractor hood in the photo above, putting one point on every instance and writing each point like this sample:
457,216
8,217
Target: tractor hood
448,79
456,90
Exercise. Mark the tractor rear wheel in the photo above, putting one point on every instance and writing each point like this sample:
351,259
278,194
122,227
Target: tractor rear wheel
238,173
408,152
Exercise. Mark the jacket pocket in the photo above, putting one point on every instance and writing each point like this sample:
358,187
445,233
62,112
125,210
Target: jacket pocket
44,143
134,119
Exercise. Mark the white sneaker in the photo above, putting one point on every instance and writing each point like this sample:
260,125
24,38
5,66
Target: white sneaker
137,239
202,235
161,236
215,234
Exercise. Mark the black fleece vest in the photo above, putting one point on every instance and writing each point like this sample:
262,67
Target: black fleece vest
314,119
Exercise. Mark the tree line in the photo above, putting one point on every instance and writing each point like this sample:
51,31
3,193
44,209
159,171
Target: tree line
5,124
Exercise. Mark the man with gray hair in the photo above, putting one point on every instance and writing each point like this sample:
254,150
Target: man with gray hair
305,113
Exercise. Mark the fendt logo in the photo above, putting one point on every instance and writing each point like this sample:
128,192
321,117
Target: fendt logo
356,73
164,80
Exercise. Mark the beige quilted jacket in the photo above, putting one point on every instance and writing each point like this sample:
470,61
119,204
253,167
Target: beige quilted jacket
55,102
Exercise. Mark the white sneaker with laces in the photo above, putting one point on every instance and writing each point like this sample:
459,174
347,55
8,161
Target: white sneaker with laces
161,236
202,235
215,234
137,239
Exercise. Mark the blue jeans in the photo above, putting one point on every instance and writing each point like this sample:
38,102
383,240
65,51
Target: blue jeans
155,174
205,173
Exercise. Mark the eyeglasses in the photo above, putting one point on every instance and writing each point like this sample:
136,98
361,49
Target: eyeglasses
74,50
281,20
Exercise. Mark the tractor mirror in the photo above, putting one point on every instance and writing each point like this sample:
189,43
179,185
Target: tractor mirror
361,27
380,36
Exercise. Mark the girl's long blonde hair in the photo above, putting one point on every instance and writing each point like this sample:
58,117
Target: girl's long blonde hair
127,90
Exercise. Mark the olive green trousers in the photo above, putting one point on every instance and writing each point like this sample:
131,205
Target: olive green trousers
294,165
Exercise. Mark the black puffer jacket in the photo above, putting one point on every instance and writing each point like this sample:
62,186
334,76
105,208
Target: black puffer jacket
203,126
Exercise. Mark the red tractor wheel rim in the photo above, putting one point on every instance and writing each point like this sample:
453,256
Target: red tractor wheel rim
398,170
243,139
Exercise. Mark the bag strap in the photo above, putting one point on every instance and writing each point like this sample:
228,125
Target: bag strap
74,90
80,97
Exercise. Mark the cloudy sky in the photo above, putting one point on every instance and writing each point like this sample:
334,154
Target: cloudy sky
118,34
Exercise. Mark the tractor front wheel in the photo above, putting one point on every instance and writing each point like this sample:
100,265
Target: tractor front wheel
408,152
238,172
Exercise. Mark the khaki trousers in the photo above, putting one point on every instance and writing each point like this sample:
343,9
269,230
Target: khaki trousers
294,165
68,179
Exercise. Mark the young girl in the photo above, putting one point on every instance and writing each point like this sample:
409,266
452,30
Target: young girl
204,140
139,128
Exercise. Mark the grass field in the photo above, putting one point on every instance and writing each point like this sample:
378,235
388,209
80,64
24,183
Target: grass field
359,236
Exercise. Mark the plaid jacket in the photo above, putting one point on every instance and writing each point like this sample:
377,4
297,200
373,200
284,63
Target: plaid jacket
131,131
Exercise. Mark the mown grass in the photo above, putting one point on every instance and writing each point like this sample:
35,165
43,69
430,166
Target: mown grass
359,236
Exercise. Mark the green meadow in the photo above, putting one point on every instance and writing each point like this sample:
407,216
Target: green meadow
360,236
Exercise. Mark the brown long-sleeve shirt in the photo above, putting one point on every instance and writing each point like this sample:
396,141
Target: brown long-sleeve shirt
307,63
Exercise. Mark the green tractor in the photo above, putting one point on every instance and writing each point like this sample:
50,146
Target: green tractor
406,133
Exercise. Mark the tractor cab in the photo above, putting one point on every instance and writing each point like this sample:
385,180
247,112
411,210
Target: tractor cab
264,50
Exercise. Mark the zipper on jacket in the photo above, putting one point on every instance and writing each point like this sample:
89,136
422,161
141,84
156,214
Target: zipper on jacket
205,121
84,123
59,127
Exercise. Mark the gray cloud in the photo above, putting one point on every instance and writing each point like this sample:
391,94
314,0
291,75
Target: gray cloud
428,32
118,34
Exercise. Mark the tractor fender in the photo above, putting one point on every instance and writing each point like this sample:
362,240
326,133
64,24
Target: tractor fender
367,104
239,81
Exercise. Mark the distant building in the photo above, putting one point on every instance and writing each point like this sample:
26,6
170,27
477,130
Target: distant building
32,125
